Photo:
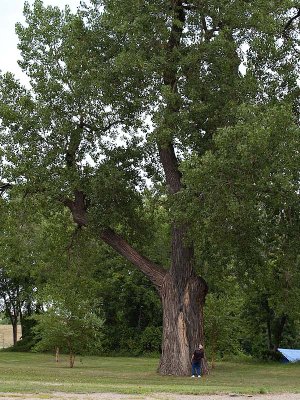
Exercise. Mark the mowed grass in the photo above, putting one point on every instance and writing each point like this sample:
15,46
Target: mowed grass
39,373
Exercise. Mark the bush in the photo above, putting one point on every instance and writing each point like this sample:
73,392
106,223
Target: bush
151,339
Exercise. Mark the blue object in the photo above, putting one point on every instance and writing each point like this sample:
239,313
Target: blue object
196,368
290,355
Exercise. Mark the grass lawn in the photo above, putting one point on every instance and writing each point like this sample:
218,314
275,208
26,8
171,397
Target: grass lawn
27,372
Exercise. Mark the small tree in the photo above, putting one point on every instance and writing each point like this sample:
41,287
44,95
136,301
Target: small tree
224,328
69,323
15,298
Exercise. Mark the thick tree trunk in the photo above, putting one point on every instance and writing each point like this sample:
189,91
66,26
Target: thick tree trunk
182,324
182,293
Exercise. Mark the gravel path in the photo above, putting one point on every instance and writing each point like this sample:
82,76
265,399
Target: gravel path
157,396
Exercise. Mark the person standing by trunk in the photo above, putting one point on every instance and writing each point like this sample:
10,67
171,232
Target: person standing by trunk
196,361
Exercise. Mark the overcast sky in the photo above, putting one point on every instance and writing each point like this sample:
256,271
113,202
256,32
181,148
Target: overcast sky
11,11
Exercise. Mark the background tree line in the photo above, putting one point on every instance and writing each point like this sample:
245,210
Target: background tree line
62,270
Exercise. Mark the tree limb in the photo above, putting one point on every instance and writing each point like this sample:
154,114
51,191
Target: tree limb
290,21
170,166
154,272
209,33
78,208
75,140
105,128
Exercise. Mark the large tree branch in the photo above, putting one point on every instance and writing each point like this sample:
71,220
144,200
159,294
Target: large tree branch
78,208
154,272
74,143
105,128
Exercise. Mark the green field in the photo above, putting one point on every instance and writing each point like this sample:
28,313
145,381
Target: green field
23,372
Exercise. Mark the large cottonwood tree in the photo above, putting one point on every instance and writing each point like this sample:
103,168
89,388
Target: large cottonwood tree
128,88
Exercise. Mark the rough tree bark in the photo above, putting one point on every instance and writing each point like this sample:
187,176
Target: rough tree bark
182,323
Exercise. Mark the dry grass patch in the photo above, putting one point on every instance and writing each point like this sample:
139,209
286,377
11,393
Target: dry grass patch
6,336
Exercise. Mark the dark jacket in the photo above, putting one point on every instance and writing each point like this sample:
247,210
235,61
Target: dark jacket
198,355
